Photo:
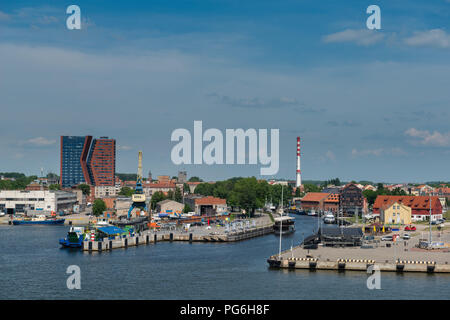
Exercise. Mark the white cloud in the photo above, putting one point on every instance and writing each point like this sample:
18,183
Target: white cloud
3,16
425,137
433,38
125,148
378,152
330,155
367,152
362,37
40,142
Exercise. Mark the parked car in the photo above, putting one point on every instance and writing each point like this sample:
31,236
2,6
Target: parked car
406,236
410,228
387,238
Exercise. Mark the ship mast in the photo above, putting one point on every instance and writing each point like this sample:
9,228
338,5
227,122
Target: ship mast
281,219
430,238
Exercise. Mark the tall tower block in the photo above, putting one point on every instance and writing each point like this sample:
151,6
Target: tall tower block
299,173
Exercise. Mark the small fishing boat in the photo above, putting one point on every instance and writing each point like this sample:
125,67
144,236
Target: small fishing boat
298,211
284,224
74,238
40,219
312,213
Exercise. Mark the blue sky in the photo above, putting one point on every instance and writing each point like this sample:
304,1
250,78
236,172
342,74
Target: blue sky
368,104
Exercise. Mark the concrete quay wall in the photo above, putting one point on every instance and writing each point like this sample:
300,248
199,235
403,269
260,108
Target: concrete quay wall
358,265
151,237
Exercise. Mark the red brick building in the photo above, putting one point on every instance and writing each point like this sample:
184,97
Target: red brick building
352,200
209,206
102,162
331,203
314,201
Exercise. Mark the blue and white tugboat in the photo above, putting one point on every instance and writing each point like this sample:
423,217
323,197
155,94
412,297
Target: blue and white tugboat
74,238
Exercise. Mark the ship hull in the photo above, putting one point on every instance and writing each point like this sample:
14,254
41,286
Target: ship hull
52,222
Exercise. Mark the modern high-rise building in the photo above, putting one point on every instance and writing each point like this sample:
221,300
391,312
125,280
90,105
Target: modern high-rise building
74,153
87,160
102,162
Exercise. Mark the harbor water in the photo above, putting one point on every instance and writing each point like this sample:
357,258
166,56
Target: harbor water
33,266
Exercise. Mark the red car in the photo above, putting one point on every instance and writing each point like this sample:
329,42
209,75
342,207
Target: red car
410,228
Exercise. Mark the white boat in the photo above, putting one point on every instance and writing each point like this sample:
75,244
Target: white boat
312,213
329,218
102,223
284,224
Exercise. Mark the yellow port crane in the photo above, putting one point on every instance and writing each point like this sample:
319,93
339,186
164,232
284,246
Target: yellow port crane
139,196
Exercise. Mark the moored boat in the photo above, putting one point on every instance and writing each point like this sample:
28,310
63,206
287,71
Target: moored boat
329,218
74,238
41,219
284,224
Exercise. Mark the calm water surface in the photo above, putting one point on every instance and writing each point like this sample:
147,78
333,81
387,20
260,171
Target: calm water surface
33,266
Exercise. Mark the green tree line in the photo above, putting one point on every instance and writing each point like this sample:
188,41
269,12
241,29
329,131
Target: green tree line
371,195
246,193
20,182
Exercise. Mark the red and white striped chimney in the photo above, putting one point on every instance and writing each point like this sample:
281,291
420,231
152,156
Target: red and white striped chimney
299,173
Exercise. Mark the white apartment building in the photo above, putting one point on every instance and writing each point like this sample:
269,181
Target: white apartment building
12,201
106,191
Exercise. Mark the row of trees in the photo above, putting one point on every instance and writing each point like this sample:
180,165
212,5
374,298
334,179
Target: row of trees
160,196
371,195
20,181
246,193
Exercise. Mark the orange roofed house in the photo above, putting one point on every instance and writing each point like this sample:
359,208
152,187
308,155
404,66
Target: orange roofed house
209,206
320,201
420,206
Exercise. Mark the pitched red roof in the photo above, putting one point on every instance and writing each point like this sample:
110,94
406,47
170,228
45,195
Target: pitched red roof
333,197
420,205
315,196
159,185
210,201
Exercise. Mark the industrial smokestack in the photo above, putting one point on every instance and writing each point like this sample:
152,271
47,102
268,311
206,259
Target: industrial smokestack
299,174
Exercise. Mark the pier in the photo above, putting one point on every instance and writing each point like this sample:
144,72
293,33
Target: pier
400,256
152,237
